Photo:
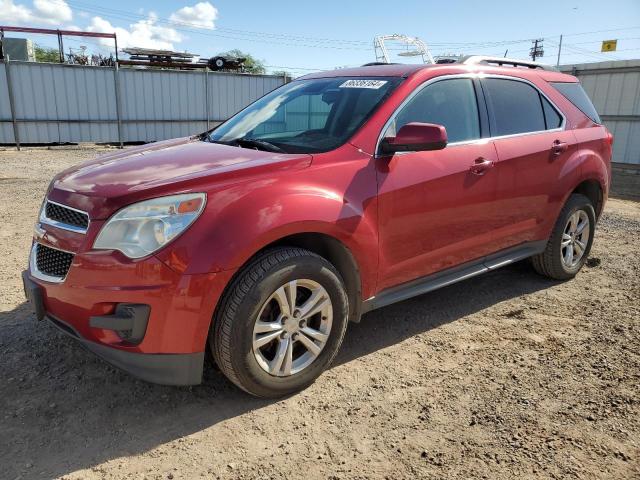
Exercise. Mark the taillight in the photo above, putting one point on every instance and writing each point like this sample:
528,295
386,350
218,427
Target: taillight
610,137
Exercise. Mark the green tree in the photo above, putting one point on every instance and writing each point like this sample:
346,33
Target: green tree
46,54
251,64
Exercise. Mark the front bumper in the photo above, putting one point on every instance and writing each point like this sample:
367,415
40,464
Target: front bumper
170,349
165,369
148,316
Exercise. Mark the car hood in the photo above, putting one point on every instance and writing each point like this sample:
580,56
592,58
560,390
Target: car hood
110,181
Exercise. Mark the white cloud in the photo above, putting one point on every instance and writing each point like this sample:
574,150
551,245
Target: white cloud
201,15
144,33
148,33
52,11
10,12
47,12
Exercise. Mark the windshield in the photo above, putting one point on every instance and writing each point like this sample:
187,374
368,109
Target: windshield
306,116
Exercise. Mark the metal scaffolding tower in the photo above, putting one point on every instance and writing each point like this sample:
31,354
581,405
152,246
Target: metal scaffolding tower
420,48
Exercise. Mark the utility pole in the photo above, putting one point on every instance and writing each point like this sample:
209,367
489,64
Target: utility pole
537,50
559,50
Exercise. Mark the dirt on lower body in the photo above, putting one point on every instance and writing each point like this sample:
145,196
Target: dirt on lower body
507,375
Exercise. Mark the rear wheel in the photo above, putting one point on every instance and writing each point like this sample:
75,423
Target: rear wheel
281,322
570,242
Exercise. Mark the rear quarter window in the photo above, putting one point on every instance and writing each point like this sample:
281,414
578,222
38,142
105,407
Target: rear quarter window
576,95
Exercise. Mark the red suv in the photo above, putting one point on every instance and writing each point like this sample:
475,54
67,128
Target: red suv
335,194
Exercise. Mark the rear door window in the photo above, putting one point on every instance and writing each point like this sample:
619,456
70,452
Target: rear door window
551,116
514,107
576,95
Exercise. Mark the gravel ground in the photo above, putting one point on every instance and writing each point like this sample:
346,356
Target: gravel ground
508,375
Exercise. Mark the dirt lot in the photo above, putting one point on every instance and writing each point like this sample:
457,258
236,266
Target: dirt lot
504,376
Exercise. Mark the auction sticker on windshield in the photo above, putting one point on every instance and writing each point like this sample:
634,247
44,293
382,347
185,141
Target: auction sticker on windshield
375,84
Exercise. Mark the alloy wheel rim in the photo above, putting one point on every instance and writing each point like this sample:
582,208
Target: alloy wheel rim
575,238
292,328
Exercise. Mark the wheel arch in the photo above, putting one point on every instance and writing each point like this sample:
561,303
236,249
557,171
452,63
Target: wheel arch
592,189
593,180
336,253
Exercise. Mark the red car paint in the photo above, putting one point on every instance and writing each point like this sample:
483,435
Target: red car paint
401,217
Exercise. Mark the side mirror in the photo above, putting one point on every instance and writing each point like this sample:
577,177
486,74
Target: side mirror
416,137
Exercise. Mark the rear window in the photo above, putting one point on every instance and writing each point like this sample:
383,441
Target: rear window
576,95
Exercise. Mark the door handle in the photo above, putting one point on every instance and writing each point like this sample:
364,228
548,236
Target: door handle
558,147
480,166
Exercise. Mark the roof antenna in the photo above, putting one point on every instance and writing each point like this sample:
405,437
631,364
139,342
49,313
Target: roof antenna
505,53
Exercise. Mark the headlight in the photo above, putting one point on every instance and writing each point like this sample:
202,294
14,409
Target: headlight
142,228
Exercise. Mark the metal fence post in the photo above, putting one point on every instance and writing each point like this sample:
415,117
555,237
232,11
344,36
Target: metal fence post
116,82
12,104
206,95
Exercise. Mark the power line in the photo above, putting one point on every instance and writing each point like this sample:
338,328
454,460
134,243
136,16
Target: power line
316,41
600,41
197,29
300,41
599,31
587,53
122,13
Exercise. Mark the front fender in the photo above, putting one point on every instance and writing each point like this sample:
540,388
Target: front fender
242,219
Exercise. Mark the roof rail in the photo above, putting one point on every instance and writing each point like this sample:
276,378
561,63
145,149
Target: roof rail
373,64
480,59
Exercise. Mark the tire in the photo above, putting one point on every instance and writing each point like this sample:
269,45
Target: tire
217,63
553,262
262,291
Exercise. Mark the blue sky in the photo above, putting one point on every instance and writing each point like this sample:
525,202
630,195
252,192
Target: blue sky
301,36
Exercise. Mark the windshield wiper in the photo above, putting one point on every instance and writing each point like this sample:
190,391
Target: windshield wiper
258,144
206,138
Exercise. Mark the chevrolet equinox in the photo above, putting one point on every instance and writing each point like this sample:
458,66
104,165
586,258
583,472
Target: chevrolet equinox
335,194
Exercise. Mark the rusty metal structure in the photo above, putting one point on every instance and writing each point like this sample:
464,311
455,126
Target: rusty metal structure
59,33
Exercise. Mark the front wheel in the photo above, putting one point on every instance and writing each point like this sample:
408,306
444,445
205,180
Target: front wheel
280,323
570,242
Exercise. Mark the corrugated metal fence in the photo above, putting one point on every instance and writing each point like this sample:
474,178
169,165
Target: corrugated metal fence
614,88
56,103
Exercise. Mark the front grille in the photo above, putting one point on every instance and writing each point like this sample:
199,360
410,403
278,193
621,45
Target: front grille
52,262
66,215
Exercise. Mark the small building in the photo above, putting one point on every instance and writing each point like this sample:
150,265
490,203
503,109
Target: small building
19,49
